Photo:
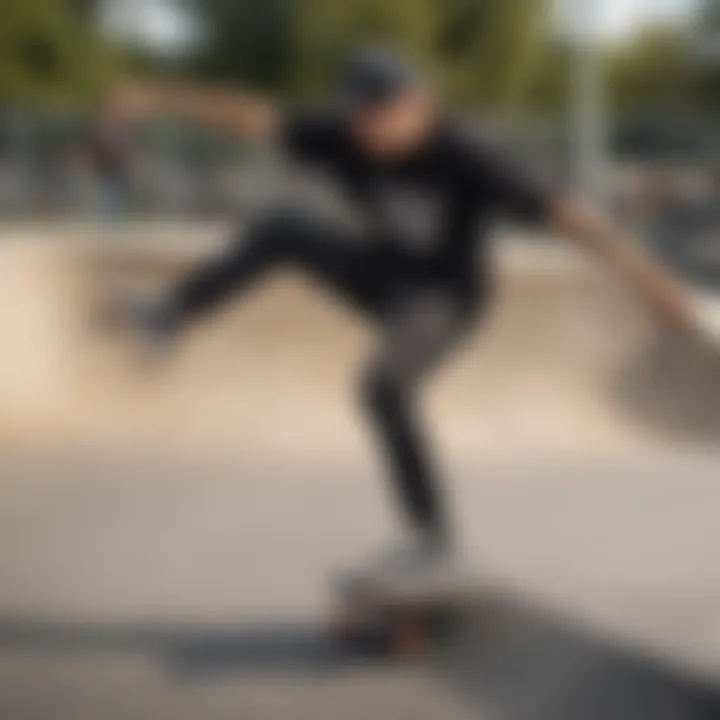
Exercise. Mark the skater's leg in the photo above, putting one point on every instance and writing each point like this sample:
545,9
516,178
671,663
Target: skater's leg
319,249
420,332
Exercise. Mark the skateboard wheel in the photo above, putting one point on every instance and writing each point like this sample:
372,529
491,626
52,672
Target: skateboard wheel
346,624
410,640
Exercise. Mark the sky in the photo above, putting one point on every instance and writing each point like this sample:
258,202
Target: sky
157,22
621,17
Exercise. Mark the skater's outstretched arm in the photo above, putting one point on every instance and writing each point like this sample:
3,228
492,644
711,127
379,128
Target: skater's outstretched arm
230,110
588,228
518,195
670,297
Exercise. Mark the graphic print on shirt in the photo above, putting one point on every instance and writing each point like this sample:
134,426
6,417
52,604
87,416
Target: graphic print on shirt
409,217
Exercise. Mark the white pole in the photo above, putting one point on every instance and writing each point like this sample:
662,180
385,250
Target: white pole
589,145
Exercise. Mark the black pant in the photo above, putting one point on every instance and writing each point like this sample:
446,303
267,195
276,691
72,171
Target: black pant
419,320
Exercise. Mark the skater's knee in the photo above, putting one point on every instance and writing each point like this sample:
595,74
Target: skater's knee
381,393
273,231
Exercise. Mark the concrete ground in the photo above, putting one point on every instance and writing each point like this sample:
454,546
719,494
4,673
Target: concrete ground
149,590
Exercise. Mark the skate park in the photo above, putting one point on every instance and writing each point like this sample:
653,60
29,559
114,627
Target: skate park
169,534
173,524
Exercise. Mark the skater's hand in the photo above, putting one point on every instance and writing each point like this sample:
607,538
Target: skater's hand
705,318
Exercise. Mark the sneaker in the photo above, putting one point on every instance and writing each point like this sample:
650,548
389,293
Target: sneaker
152,325
418,566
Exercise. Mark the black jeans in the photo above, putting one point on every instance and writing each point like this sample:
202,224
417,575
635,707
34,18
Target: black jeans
419,320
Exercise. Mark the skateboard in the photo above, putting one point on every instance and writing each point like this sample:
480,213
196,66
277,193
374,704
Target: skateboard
399,619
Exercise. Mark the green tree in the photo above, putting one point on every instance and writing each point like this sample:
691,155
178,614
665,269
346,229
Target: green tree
707,41
247,41
483,52
48,54
490,52
327,31
86,10
708,22
549,87
655,71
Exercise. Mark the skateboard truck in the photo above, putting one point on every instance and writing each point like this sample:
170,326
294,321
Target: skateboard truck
401,623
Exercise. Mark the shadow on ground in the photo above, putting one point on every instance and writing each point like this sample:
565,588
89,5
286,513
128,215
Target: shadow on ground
507,662
674,388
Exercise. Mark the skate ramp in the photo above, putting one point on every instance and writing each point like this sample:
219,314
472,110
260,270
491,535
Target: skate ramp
567,361
610,606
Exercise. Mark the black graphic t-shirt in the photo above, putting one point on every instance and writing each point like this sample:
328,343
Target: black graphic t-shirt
431,207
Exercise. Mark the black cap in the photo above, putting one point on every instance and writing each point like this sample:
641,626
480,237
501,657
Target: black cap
375,77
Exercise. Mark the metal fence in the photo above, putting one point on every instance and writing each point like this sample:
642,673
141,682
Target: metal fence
179,169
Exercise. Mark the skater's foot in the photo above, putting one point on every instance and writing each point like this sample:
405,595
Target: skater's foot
419,550
422,560
152,326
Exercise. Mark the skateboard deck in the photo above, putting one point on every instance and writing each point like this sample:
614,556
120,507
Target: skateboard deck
402,617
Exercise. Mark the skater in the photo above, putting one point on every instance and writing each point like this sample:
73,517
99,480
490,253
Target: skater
414,263
110,165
